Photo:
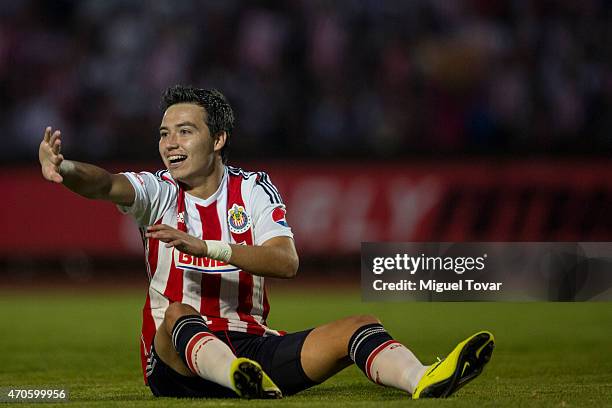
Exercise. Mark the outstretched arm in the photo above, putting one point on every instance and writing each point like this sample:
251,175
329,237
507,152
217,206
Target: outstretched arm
275,258
84,179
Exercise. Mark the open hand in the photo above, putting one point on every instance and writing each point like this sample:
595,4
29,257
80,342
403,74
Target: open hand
50,156
178,239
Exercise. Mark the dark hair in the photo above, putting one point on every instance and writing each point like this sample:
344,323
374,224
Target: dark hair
219,114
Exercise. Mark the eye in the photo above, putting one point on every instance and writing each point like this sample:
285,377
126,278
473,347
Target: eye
163,134
185,131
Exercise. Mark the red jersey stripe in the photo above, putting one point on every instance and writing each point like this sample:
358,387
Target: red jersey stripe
174,286
245,287
148,332
234,196
167,178
245,297
153,250
211,283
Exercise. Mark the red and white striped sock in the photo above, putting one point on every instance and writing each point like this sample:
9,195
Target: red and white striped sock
392,364
210,358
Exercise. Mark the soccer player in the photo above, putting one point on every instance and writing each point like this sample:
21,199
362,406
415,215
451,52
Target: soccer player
212,233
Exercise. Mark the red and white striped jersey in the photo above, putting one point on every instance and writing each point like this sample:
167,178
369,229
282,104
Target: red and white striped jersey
246,209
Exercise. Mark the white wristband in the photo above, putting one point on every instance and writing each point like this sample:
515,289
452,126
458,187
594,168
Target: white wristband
219,250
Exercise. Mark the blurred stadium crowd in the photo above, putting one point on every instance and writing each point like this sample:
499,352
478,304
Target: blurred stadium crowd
362,79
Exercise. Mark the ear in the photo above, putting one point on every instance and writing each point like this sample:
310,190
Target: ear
220,140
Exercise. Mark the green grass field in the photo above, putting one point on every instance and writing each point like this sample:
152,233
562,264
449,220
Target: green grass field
547,354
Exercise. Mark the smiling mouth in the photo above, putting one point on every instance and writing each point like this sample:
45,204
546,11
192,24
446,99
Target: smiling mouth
176,160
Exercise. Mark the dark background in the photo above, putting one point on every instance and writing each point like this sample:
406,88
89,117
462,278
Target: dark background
313,79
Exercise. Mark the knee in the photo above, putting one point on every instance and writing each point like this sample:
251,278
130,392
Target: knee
175,311
358,321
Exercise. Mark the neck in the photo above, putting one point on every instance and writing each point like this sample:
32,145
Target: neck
208,184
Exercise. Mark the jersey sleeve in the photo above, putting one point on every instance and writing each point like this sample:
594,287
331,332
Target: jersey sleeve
269,212
155,194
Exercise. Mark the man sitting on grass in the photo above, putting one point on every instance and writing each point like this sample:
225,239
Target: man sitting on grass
212,233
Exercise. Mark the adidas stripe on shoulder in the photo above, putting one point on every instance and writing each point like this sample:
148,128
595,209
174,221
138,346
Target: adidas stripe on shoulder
164,175
261,179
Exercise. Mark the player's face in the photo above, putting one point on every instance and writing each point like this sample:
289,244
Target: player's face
185,143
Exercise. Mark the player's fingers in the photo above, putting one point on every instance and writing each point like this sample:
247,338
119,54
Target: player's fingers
45,147
54,137
163,236
159,227
47,135
57,178
57,146
50,173
43,151
57,159
174,243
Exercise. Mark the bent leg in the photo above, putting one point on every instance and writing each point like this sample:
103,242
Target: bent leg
185,344
360,339
325,350
163,338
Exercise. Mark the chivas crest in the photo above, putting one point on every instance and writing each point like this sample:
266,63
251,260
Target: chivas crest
238,220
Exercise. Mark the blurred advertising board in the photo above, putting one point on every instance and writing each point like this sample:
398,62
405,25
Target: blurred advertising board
332,208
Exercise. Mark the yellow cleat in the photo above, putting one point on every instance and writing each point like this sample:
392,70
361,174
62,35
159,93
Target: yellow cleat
249,381
461,366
